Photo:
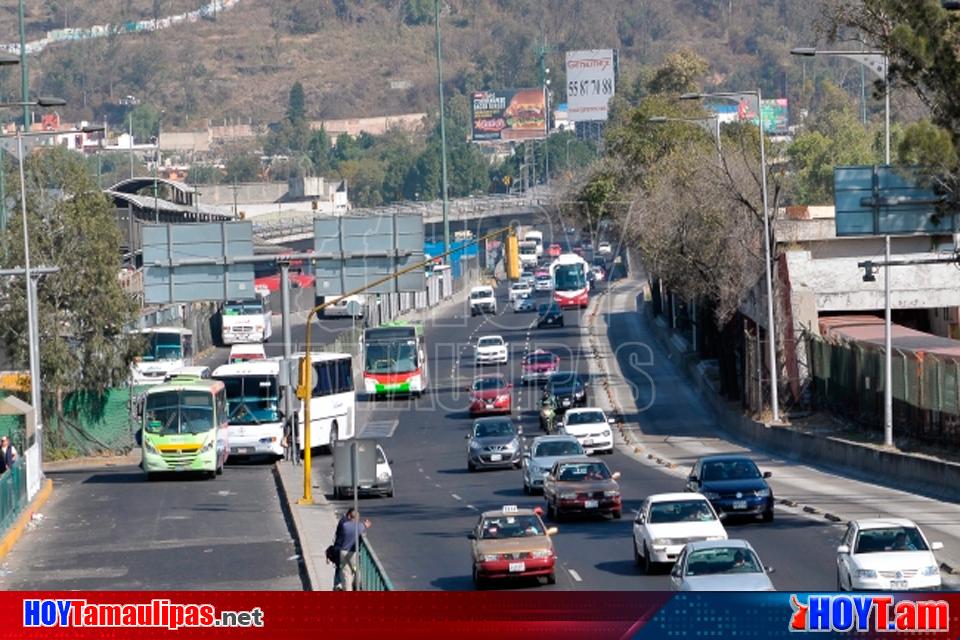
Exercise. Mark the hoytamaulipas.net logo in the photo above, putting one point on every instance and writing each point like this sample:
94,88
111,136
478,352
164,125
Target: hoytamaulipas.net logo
881,613
159,612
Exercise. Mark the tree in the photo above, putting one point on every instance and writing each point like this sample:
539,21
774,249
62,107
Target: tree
417,12
680,72
296,104
924,143
82,310
243,167
146,122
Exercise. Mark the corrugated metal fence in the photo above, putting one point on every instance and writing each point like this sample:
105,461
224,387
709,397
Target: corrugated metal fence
848,379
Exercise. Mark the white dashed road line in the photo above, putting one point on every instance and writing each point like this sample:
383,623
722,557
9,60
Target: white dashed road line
574,575
455,496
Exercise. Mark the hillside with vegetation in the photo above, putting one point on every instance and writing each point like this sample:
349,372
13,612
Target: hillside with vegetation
371,57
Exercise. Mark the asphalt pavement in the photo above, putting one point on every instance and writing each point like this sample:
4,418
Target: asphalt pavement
420,535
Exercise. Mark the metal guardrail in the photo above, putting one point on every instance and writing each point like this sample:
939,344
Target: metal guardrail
372,575
13,494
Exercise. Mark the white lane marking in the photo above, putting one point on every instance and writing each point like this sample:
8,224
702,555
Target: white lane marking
574,575
437,485
470,506
455,496
426,477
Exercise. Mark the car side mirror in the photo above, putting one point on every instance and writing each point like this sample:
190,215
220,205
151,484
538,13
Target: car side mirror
641,518
390,461
466,437
471,536
936,546
510,385
675,572
843,549
722,515
552,531
767,474
769,569
692,479
616,475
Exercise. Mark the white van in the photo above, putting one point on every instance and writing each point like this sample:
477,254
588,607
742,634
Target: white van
482,300
246,352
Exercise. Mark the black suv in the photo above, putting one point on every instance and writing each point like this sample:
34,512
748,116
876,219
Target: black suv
550,316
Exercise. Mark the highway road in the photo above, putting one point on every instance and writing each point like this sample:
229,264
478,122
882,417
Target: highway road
420,535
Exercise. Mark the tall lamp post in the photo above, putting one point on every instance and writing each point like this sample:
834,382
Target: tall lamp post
32,329
6,59
443,135
768,254
879,64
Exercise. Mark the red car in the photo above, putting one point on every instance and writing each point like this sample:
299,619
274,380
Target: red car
555,250
490,394
539,365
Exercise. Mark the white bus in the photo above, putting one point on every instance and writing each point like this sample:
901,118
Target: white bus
167,350
246,320
253,407
332,402
537,237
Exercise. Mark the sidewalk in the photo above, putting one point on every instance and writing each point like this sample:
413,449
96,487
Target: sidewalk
314,525
699,422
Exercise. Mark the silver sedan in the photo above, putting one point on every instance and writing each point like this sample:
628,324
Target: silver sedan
720,565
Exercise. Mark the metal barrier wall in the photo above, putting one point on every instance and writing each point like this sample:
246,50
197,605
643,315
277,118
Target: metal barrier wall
13,494
848,379
372,575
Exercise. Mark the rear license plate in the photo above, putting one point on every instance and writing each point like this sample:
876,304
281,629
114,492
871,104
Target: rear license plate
490,405
898,584
740,504
517,567
496,457
591,504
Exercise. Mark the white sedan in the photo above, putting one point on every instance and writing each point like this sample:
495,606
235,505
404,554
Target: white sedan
591,427
668,521
519,290
886,554
491,350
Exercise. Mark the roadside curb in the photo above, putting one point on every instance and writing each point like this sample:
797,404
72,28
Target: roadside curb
311,579
628,432
16,530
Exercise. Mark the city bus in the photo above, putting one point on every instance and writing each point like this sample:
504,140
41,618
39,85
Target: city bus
332,400
394,359
184,427
571,289
253,407
167,349
244,321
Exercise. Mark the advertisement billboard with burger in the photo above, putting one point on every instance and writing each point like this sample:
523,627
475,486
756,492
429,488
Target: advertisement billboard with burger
518,114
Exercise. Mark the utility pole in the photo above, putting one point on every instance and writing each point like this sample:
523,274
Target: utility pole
542,51
24,76
443,134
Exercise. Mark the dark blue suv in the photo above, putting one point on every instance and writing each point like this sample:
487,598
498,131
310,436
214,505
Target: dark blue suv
733,484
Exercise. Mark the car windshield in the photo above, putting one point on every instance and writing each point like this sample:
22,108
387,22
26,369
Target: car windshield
738,469
503,527
497,429
890,539
543,276
486,384
520,286
481,294
540,358
680,511
490,342
586,417
558,448
583,472
243,308
564,379
722,560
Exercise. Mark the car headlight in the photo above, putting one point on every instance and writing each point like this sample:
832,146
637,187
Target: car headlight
711,495
150,448
762,493
513,444
578,394
605,434
932,570
474,444
383,477
541,553
208,446
662,542
503,398
568,496
866,573
612,493
490,557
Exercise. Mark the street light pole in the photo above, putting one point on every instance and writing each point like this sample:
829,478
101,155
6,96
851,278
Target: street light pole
767,248
443,133
32,329
24,79
879,63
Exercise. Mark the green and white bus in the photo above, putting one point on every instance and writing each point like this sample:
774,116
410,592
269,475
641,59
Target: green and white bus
395,359
185,426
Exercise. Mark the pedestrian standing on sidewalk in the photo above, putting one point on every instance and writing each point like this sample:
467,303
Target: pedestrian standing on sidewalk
8,454
338,542
351,530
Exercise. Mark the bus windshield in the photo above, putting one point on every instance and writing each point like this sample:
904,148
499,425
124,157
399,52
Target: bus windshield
252,399
243,308
163,346
398,356
179,412
569,278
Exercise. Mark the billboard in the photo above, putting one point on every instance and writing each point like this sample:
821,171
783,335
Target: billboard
590,84
514,114
744,109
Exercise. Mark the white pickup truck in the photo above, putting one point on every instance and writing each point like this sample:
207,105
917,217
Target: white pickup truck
482,300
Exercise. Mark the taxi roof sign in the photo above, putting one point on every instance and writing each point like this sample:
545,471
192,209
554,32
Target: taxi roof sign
510,508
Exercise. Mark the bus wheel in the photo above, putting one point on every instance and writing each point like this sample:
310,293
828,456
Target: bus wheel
334,428
211,475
